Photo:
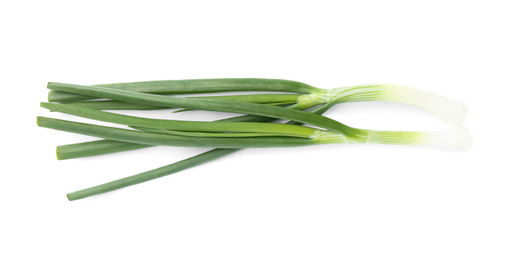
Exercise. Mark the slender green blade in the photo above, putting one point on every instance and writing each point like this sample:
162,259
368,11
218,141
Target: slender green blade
180,125
100,147
152,174
138,137
272,99
195,86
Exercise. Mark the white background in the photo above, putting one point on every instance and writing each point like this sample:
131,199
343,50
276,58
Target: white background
322,202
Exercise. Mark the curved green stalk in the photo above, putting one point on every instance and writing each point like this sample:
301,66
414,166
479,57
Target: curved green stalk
271,99
453,137
150,175
210,134
146,138
194,86
180,125
100,147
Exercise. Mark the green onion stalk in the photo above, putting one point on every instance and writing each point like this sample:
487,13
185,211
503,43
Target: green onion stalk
229,135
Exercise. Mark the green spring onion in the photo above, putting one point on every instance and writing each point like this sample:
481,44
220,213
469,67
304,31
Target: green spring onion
230,135
450,139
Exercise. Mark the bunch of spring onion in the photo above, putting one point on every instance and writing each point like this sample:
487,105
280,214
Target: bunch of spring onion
301,104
